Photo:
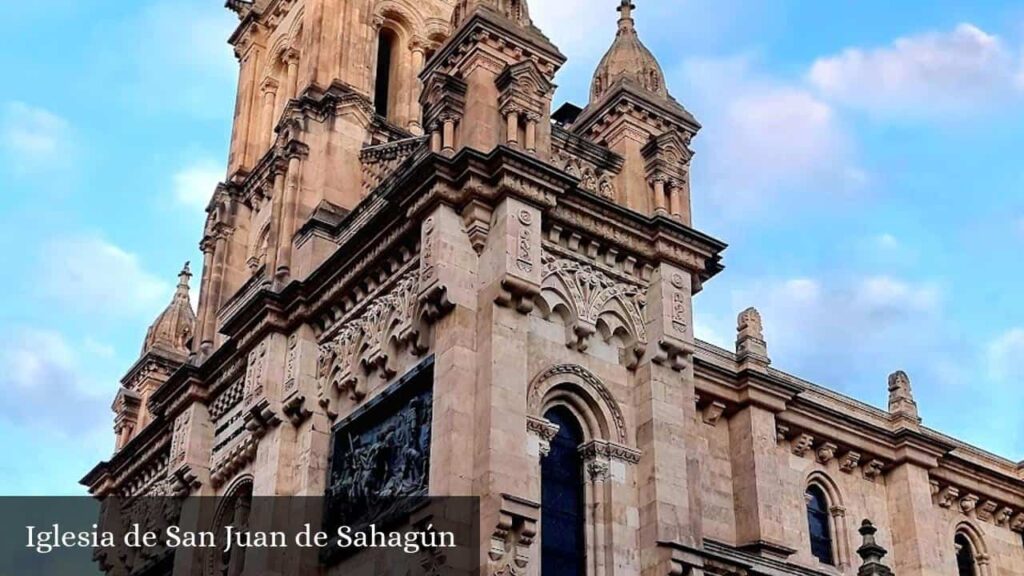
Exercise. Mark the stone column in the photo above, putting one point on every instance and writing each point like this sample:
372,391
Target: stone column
220,254
842,536
245,109
448,135
415,111
512,128
291,60
202,338
531,132
289,208
269,91
277,175
659,196
681,202
675,200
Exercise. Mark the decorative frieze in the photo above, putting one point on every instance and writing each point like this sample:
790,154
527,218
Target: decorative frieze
362,347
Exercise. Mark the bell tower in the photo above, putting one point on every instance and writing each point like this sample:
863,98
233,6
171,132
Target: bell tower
491,84
632,113
320,82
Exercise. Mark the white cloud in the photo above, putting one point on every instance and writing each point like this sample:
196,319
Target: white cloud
765,140
89,274
837,331
194,184
48,386
577,27
34,138
1004,357
181,54
934,73
886,242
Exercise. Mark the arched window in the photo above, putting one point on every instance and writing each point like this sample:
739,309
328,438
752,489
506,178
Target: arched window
562,499
387,41
234,511
966,563
819,523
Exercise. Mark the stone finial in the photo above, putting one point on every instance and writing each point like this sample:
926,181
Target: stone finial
628,62
750,343
172,330
901,396
871,553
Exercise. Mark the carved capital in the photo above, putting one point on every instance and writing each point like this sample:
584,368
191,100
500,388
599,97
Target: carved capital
543,433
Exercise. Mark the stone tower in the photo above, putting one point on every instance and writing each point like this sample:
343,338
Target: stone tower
412,255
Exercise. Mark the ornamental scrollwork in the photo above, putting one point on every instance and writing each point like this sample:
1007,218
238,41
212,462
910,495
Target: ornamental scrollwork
369,342
590,297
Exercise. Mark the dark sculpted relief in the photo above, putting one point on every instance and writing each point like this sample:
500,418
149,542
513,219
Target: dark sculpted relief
381,454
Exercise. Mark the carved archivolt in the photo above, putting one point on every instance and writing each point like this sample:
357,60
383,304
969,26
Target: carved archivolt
602,412
369,342
588,299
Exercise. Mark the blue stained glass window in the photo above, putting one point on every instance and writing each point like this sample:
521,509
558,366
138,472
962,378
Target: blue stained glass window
562,513
819,522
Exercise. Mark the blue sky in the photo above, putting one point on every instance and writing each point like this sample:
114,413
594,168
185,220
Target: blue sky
862,160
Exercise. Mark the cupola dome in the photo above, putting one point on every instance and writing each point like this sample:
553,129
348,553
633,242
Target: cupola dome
628,61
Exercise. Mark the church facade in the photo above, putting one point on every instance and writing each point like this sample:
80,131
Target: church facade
413,254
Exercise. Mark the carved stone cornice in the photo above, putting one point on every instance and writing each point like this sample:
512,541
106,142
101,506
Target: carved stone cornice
624,107
484,32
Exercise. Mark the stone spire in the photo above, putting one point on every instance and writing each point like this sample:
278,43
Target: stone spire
173,329
871,553
628,61
901,397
